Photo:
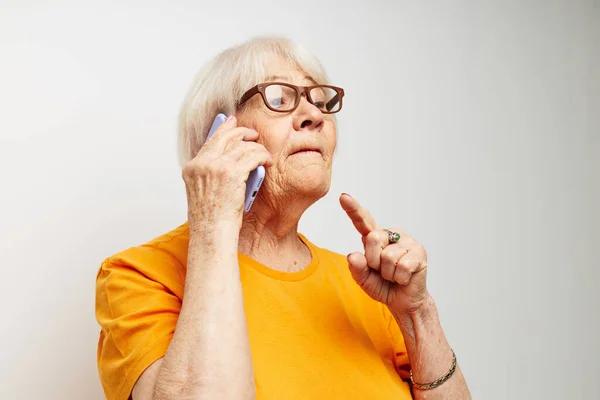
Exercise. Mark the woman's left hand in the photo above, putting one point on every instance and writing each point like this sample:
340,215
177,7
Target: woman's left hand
391,273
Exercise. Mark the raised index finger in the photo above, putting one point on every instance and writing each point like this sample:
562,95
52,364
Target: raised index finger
361,217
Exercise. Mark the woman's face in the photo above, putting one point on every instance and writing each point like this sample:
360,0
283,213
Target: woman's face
302,142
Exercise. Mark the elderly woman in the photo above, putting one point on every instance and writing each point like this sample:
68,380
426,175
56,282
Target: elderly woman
239,305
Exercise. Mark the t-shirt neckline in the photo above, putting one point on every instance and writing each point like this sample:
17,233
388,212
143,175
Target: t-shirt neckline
281,275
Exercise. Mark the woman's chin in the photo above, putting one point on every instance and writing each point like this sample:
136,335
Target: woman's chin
312,180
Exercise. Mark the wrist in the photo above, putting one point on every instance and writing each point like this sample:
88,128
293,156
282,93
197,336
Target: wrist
432,359
207,219
214,227
412,320
424,310
212,253
222,236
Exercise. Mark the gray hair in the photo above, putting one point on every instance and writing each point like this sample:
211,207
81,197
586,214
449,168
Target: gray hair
219,85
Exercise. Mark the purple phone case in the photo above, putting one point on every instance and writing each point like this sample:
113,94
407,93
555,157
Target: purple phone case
255,178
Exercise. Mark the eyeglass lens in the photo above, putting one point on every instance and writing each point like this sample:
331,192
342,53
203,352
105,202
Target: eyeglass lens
284,98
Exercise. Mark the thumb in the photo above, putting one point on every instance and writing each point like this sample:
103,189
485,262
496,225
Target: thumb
357,263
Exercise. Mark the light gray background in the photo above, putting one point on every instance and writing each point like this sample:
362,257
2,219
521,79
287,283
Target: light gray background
472,125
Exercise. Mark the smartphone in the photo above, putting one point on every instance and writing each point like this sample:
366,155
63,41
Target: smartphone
256,177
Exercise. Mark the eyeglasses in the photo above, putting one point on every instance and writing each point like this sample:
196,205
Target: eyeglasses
285,97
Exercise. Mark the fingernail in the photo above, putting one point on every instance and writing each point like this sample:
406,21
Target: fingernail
346,194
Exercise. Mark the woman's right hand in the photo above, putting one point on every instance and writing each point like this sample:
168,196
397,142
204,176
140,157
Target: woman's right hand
216,178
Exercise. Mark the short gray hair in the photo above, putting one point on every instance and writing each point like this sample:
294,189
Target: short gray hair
219,85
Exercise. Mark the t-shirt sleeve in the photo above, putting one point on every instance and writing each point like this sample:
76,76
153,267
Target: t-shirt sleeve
401,360
137,315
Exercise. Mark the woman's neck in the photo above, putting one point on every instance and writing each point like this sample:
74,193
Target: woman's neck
272,238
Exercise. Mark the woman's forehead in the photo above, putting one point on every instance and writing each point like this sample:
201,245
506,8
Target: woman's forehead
291,78
280,70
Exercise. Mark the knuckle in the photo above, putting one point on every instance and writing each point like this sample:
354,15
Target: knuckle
219,169
227,170
381,235
376,236
214,167
187,171
192,168
247,146
227,136
254,146
389,253
403,265
418,248
370,237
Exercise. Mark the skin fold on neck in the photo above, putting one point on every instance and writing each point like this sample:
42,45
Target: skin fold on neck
269,235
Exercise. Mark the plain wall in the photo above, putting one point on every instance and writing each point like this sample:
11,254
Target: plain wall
472,125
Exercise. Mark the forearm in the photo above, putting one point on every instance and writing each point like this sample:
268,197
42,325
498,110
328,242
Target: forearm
209,355
430,354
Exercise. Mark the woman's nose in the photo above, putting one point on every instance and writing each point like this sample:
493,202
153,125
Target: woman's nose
308,116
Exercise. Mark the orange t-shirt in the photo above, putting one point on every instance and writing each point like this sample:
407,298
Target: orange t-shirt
314,334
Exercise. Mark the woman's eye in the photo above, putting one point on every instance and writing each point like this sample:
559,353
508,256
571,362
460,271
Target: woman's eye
277,102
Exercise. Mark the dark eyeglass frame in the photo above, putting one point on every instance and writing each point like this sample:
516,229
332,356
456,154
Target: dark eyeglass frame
300,90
